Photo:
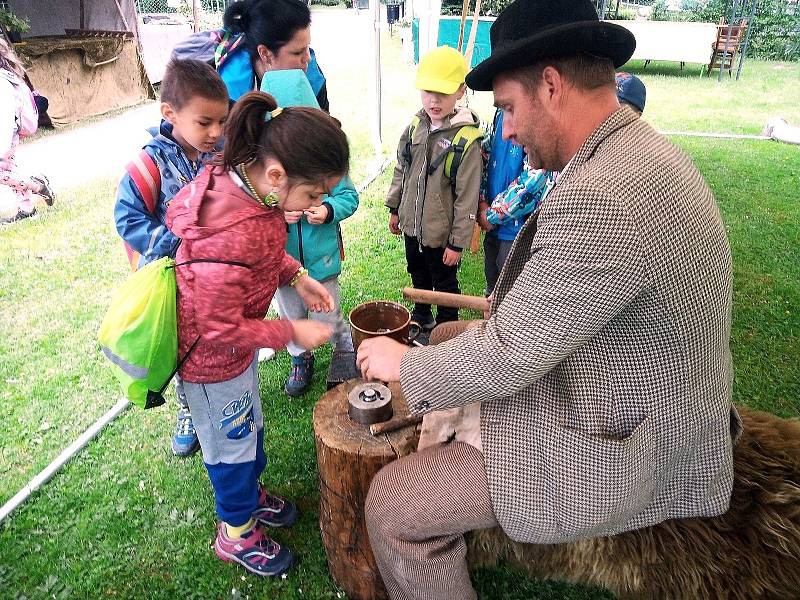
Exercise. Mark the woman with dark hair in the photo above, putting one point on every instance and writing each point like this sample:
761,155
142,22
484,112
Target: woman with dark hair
277,37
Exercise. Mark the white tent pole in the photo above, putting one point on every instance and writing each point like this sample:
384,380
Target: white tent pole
50,470
473,32
374,6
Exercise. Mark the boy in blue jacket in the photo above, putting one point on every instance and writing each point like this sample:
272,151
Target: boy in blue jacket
194,106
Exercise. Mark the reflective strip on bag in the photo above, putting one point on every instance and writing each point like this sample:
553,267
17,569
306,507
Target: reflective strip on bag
129,369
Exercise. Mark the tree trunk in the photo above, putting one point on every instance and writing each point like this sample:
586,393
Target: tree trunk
348,457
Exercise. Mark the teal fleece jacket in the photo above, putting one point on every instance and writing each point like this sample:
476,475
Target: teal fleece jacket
318,247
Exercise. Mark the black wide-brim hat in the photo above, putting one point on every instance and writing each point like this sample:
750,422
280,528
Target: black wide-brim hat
528,30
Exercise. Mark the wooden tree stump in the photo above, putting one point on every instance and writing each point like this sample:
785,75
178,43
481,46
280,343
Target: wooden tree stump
348,457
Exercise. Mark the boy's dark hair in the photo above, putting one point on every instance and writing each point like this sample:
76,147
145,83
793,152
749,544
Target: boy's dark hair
309,143
185,79
270,23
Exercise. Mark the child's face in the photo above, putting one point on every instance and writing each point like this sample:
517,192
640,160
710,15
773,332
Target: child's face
197,126
300,196
438,106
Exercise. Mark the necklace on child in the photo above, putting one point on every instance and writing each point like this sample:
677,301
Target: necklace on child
270,199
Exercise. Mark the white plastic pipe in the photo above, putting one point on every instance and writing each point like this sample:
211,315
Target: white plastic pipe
51,469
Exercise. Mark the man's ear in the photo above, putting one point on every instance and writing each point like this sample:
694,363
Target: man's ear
168,112
551,86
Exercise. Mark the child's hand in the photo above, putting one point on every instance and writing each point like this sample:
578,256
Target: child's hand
483,222
310,334
314,295
316,215
394,223
451,257
292,216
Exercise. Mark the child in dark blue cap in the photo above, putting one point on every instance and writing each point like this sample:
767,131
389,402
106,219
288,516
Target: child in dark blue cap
631,91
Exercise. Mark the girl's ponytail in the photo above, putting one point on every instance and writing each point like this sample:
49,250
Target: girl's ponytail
245,127
309,143
9,60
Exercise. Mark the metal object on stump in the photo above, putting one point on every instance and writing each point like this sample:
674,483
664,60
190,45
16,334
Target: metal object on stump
370,403
348,457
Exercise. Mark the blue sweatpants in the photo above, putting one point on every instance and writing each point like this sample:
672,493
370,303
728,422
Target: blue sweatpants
230,426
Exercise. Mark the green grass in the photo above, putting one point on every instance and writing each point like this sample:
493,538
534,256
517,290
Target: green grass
126,519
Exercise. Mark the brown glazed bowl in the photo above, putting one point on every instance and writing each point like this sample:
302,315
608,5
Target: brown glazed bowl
381,317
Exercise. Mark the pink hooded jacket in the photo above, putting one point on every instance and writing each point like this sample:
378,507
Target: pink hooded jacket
222,304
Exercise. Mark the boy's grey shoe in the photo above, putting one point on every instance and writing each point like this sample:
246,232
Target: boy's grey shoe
300,376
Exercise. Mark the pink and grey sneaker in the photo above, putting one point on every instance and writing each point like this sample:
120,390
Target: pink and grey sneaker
274,511
255,551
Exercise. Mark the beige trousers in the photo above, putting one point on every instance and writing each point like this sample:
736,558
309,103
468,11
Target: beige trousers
418,509
420,506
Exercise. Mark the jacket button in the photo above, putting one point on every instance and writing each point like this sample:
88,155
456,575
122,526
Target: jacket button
424,405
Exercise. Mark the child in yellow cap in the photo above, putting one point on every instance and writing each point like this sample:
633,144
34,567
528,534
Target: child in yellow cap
433,196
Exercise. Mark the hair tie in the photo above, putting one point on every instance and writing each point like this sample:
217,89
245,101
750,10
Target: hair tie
271,114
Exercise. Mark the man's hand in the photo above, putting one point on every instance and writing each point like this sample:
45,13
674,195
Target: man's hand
394,223
489,300
310,334
483,222
380,357
314,295
451,257
316,215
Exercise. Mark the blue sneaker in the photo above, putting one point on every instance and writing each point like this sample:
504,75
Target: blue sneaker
255,551
300,377
274,511
184,440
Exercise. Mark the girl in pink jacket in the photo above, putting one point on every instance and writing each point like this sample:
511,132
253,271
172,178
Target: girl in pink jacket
231,260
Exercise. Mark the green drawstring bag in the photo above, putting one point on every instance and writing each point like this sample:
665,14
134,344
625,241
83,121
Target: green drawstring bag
139,333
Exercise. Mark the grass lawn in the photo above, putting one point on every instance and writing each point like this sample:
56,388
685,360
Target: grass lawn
127,519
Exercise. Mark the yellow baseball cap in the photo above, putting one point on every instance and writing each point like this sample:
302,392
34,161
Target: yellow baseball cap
441,70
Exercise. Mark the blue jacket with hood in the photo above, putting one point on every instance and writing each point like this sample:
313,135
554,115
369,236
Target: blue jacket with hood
505,161
142,230
317,247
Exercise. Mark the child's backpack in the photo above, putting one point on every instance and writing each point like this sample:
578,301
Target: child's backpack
139,333
145,175
462,140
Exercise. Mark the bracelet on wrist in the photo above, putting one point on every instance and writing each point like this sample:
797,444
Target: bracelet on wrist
297,276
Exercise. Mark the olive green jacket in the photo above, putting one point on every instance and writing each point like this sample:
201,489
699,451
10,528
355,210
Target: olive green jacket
425,203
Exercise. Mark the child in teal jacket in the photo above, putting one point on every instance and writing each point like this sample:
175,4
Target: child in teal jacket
314,238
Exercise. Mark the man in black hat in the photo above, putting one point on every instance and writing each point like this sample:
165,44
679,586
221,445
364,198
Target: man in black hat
604,371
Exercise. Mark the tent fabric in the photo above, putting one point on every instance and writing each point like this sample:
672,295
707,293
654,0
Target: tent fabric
78,84
49,18
82,76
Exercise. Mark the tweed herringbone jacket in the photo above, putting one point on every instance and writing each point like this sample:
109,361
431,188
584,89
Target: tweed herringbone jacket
604,370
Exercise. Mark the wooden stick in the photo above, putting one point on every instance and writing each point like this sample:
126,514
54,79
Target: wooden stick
464,11
445,299
394,424
473,32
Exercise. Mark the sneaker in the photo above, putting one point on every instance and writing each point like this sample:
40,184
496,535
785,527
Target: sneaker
184,440
21,214
427,322
47,192
274,511
300,377
255,551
